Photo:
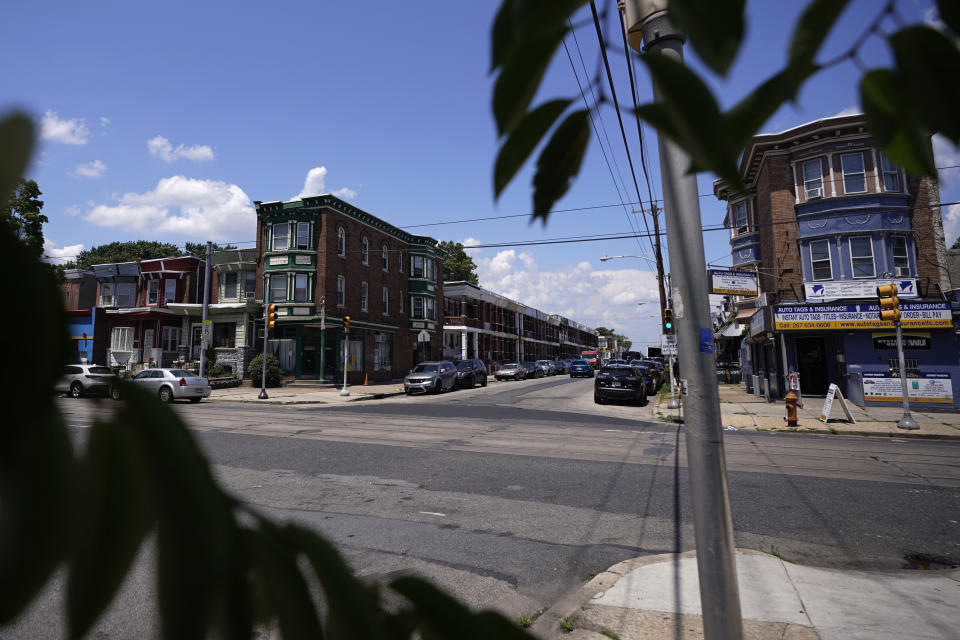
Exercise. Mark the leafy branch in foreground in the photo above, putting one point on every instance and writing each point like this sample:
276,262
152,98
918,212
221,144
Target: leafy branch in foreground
915,97
222,568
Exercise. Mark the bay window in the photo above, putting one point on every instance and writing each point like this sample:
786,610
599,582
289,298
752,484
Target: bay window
300,287
812,178
901,260
278,288
740,217
281,233
891,174
303,235
854,175
861,257
820,260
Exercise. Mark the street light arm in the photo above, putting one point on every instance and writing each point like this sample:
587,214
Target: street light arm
605,258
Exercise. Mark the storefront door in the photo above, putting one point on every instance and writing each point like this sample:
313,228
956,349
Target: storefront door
812,366
309,361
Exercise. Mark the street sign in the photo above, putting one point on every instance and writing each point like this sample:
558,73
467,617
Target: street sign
733,283
668,344
423,336
834,392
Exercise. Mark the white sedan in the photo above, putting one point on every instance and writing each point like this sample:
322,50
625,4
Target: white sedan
173,384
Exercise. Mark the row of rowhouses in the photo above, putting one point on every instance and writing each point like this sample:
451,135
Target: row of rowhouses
320,260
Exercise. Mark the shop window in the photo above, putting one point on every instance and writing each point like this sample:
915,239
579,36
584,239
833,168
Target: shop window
901,260
225,334
812,179
820,260
861,257
854,176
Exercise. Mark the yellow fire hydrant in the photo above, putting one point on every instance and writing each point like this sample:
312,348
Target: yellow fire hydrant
791,400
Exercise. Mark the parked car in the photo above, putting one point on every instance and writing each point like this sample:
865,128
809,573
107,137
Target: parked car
79,380
432,377
470,373
657,368
171,384
533,371
619,382
561,366
649,378
655,371
580,368
511,371
547,367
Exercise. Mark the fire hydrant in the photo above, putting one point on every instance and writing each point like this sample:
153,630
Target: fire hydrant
791,400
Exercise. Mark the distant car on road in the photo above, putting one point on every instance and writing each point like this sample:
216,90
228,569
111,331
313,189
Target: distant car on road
580,368
547,367
562,366
619,382
511,371
470,373
79,380
533,371
429,377
171,384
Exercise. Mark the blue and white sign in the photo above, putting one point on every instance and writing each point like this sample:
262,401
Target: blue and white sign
733,283
852,289
925,315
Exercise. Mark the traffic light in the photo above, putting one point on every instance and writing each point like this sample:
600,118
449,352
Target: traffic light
346,324
668,319
271,316
889,303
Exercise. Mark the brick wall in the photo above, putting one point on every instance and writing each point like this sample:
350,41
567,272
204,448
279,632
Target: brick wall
781,271
927,225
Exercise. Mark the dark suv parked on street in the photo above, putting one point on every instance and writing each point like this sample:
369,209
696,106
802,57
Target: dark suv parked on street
471,373
620,382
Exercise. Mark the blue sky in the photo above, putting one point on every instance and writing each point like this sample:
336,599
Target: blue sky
165,121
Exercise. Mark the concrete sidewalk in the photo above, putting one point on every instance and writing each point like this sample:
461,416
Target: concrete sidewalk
658,598
308,393
744,411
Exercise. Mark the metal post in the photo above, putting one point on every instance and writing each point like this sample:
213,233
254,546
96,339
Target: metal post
345,390
907,421
713,525
206,305
674,404
323,340
263,373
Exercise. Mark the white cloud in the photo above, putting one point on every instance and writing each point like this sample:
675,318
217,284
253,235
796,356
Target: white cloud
160,147
74,210
73,131
607,297
104,122
945,154
951,224
205,209
315,184
93,169
54,255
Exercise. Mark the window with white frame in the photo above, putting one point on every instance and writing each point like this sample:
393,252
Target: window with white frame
901,260
106,294
281,234
740,217
416,306
230,285
385,301
300,287
341,241
891,174
341,290
249,283
364,290
416,270
153,291
385,258
303,235
812,178
364,250
121,339
170,290
820,262
171,338
431,311
126,294
861,257
429,272
854,175
278,287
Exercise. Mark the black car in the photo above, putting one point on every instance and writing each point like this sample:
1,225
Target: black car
533,371
619,382
470,373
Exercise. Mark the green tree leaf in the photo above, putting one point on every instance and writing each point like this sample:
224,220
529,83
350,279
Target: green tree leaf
949,11
811,30
16,141
928,65
523,140
715,29
519,20
457,265
893,122
112,515
351,607
559,162
520,77
279,579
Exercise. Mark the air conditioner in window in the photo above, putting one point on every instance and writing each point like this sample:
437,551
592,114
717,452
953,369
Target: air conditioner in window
250,297
814,193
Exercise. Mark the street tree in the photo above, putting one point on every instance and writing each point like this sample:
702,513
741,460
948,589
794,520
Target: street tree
457,265
199,249
21,215
126,251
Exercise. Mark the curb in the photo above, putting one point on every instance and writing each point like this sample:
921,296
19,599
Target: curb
869,434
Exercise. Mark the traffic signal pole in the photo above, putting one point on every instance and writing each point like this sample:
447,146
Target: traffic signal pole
713,524
907,421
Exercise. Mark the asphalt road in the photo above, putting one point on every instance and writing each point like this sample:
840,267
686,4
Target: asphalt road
514,494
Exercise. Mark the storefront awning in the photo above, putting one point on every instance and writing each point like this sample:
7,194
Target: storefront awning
744,315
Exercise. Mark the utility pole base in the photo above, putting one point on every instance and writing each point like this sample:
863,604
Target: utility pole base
345,391
262,395
673,404
908,423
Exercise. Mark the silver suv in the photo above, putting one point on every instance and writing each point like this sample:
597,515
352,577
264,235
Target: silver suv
547,367
80,379
431,377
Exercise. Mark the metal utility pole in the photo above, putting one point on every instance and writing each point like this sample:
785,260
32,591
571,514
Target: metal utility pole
889,305
345,389
323,340
263,372
646,22
205,332
907,421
